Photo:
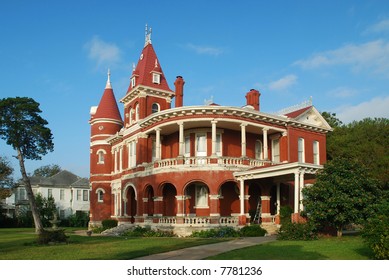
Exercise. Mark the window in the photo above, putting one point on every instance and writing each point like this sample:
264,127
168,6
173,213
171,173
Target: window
258,150
187,146
49,192
153,150
22,194
156,78
85,195
276,150
218,144
316,155
131,116
155,108
62,214
100,156
61,194
201,196
301,155
136,112
100,195
133,82
201,145
132,154
78,194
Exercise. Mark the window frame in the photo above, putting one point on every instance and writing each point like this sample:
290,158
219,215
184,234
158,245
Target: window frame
316,152
301,150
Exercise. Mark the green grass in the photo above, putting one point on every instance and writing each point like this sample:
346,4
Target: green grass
332,248
19,244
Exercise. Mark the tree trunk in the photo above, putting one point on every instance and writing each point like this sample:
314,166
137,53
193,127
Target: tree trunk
30,195
339,231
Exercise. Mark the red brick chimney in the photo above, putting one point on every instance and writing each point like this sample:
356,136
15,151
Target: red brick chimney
252,98
179,84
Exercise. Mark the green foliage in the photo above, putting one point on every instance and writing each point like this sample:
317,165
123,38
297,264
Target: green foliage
6,180
79,219
46,208
297,231
220,232
147,232
52,236
252,231
285,214
376,230
365,142
341,195
107,224
47,170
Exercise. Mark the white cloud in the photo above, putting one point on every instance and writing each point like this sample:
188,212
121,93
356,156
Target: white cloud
343,92
204,49
372,55
382,26
102,52
374,108
283,83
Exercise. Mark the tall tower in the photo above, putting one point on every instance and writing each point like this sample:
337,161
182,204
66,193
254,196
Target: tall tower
105,121
148,91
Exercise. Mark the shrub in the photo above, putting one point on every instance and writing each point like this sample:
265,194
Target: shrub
297,231
53,235
252,231
221,232
285,214
107,224
376,231
147,232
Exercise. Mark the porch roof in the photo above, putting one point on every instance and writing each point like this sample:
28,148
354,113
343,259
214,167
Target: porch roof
278,170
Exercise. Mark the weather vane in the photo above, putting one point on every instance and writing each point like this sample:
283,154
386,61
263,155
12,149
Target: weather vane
147,35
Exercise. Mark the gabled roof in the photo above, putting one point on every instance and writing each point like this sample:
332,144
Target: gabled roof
297,113
309,115
108,107
63,177
147,64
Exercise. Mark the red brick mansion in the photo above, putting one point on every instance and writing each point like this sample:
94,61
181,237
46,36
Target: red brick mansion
181,167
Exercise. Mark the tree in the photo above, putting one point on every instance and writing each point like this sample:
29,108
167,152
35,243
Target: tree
47,170
341,195
6,171
22,127
46,208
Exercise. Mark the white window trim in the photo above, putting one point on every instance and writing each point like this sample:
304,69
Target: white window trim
316,156
156,78
273,154
204,205
98,191
258,144
158,108
101,160
137,112
301,152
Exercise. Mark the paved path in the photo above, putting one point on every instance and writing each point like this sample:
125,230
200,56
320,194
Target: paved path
204,251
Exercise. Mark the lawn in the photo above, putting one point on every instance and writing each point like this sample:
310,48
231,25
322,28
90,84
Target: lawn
19,244
330,248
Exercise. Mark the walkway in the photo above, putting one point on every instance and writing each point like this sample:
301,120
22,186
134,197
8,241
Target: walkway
204,251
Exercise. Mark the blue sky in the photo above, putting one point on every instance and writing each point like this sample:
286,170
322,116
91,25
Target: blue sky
58,53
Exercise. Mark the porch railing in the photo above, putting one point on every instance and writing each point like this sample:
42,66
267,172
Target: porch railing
200,161
198,220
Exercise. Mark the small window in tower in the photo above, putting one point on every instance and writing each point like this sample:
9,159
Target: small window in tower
136,112
155,108
133,82
156,78
100,156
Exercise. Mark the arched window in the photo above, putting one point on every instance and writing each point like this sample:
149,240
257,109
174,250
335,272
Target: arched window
100,194
201,196
130,117
155,108
258,150
100,156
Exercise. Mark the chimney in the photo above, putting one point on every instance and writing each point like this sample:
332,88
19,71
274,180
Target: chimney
179,84
252,98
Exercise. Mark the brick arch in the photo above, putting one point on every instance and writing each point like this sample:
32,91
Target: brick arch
229,198
197,199
130,201
148,205
169,205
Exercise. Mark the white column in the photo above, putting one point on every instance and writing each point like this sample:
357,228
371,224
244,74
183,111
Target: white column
115,160
181,138
213,137
278,197
265,148
121,159
301,186
296,192
241,197
243,138
157,143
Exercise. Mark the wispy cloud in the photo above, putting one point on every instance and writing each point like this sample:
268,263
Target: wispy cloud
103,53
283,83
373,56
374,108
380,27
207,50
342,92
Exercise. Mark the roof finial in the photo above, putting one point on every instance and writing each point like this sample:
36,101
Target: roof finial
156,63
147,35
108,85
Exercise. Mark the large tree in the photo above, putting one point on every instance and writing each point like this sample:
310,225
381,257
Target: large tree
22,127
6,171
341,195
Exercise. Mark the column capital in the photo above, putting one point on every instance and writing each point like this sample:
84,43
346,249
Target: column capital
214,122
180,123
265,129
157,129
244,124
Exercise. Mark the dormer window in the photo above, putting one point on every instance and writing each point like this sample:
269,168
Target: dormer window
156,78
155,108
133,82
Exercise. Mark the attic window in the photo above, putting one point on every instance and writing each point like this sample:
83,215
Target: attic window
156,78
133,82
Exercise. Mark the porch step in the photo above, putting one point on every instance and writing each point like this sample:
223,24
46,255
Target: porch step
271,228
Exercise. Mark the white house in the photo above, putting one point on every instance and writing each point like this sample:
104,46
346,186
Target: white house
70,192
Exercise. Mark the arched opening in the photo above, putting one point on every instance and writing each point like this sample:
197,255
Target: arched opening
169,193
229,199
130,203
155,108
149,205
197,199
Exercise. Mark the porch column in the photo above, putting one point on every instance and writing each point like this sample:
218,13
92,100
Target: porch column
265,206
157,207
301,189
180,205
214,208
243,138
278,197
145,201
296,192
265,148
181,139
242,216
213,137
157,143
